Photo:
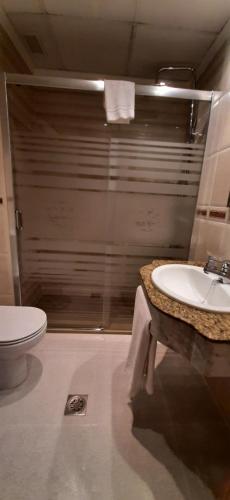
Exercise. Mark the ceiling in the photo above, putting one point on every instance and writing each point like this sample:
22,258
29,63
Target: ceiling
117,37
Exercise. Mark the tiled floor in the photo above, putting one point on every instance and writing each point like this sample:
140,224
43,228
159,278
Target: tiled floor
172,446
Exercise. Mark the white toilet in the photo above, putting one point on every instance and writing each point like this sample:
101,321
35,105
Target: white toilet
20,329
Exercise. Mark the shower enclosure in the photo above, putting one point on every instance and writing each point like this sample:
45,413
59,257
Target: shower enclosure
94,202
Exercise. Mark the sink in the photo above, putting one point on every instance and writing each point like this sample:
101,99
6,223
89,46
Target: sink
190,285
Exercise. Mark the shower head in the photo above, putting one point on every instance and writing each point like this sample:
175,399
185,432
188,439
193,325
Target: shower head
176,68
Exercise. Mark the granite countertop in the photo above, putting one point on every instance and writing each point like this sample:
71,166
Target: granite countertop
214,326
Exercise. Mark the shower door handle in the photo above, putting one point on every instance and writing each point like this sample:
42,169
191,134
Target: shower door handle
18,218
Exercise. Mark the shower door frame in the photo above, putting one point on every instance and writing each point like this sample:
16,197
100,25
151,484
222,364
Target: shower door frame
60,83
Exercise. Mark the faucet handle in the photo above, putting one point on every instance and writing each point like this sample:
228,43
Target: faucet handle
211,259
225,268
219,267
211,264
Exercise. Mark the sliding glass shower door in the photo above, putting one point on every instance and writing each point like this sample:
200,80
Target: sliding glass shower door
95,201
154,173
60,155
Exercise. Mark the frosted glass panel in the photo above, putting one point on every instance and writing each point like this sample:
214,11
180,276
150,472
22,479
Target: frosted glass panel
98,200
152,203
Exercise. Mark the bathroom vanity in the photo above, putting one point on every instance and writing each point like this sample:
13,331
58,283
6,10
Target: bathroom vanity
200,336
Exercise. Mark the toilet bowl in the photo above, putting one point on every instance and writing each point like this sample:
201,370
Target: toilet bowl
20,329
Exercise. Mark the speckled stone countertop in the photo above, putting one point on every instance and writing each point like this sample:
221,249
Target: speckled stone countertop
214,326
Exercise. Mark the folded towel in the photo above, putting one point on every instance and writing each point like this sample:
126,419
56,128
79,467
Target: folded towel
141,358
119,101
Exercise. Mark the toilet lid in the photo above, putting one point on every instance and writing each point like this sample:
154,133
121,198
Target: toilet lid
19,322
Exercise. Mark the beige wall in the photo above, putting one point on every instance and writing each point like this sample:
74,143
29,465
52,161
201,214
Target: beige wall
217,74
10,59
211,231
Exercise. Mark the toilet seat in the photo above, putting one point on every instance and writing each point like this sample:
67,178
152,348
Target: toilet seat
20,323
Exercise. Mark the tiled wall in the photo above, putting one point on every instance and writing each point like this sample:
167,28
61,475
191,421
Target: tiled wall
211,231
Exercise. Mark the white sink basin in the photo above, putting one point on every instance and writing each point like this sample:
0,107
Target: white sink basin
190,285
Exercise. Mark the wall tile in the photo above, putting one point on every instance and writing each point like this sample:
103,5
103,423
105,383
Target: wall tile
225,248
194,239
221,184
213,238
222,69
222,138
213,128
219,125
207,180
220,214
198,250
209,236
207,239
217,95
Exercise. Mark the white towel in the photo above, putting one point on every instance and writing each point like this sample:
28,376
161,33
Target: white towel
141,358
119,101
150,362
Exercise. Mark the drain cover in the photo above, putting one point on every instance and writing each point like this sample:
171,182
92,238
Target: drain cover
76,404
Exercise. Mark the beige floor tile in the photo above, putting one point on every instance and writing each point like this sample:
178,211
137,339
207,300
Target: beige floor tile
157,448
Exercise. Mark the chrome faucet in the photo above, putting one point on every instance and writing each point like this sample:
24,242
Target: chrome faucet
219,267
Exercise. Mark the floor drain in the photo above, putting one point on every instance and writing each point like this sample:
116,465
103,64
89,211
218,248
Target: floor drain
76,404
